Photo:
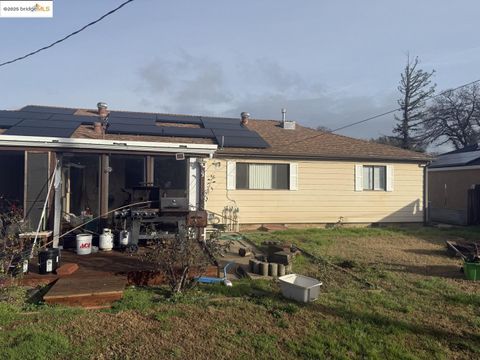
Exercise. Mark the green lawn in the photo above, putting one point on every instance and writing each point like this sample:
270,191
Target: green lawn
400,297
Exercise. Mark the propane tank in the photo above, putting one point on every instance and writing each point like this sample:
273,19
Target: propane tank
106,240
124,238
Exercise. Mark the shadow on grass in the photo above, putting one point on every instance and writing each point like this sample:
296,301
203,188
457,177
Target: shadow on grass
469,341
444,271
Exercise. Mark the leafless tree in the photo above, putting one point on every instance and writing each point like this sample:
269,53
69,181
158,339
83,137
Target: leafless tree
183,258
394,141
415,87
323,128
454,117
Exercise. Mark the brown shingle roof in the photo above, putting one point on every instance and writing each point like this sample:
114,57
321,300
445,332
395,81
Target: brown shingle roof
302,142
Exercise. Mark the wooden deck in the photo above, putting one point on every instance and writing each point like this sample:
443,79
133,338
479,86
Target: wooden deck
100,279
89,292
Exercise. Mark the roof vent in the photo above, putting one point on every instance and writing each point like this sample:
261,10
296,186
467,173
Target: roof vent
245,116
287,124
102,109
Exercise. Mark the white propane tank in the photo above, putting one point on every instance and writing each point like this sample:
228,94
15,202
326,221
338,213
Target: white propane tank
106,240
124,238
84,244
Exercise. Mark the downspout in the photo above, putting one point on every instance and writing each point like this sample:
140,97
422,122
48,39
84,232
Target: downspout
426,207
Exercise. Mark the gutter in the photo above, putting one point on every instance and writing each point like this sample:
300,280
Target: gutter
226,155
454,168
105,145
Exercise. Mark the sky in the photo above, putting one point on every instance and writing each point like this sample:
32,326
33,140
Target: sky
329,62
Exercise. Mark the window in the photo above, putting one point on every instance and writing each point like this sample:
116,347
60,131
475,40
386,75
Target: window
262,176
374,178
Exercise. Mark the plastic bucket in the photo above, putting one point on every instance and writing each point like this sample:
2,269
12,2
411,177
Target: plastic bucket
84,244
472,271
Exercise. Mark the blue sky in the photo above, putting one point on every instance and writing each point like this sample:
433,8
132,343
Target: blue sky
328,62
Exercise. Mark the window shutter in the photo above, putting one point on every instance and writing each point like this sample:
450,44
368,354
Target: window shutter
231,175
358,177
389,177
293,176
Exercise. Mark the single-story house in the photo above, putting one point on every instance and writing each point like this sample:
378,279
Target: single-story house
245,172
454,187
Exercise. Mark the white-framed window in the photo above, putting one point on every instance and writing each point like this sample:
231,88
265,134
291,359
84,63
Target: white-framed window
373,177
261,176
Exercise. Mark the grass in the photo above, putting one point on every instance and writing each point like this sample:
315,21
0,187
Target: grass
409,314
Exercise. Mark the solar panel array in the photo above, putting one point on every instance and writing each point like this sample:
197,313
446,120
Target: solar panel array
455,159
61,122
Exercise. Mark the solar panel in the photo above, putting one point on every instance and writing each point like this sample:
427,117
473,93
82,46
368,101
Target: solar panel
242,142
7,122
50,124
24,115
133,115
155,130
139,129
456,159
212,124
179,119
39,131
130,121
87,120
48,109
188,132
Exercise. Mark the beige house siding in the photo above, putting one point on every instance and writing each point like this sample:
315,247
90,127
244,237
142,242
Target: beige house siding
326,192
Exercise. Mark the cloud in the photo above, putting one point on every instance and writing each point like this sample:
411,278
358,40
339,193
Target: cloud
189,84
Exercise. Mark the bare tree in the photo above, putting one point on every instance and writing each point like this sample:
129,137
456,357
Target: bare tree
394,141
454,117
184,257
415,87
323,128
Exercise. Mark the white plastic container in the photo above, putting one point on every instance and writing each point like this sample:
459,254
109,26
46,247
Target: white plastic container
106,240
300,288
84,244
124,238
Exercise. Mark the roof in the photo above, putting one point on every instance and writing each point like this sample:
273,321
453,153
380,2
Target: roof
275,141
304,142
469,155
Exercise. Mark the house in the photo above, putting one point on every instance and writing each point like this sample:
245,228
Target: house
453,187
245,172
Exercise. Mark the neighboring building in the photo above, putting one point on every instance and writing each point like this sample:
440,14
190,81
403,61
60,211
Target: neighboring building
452,179
247,172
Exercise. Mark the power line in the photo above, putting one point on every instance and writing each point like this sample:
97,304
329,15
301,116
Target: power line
68,36
382,114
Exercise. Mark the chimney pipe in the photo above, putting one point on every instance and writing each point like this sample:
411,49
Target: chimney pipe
245,116
97,127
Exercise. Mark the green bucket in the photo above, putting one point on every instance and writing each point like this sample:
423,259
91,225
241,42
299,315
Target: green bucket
472,270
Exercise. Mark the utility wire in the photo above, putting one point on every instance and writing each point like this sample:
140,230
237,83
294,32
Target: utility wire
380,115
67,36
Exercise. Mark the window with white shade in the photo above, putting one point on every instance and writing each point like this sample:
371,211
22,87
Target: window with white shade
262,176
374,177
